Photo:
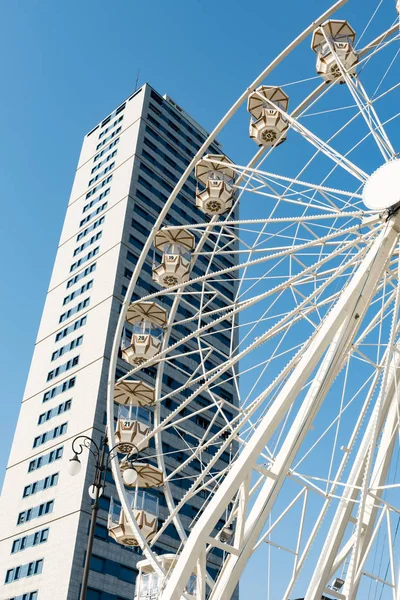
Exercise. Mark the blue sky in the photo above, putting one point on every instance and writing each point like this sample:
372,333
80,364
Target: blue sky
65,66
68,65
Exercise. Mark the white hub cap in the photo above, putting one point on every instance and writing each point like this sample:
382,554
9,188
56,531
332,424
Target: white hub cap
382,189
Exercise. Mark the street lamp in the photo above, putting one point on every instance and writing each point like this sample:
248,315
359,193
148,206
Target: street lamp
99,483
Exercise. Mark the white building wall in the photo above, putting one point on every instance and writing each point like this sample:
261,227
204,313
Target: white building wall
68,523
59,551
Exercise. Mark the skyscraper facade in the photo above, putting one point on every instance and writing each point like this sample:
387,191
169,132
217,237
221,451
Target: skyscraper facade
129,164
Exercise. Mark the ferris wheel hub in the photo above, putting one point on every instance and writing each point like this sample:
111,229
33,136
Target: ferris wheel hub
382,190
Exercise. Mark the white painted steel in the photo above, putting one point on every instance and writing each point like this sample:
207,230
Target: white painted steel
339,283
350,308
114,355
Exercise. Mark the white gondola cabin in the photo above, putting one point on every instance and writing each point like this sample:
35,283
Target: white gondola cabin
268,126
150,584
134,420
176,246
216,175
147,320
334,41
133,425
145,508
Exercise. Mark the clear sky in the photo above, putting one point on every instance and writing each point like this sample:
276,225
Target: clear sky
65,66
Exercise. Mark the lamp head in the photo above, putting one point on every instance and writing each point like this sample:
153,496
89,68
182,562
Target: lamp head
92,491
129,476
74,465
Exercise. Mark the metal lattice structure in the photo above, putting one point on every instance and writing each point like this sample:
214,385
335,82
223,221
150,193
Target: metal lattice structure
313,329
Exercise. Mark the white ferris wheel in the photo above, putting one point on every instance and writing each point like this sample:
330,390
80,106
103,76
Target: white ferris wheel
300,466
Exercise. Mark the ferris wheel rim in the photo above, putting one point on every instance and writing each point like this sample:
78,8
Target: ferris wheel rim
114,354
136,274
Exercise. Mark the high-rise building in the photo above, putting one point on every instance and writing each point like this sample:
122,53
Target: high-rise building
128,166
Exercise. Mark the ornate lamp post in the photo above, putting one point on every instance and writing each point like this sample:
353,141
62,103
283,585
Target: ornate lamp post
102,463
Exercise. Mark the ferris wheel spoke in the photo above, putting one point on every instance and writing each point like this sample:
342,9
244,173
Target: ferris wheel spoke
379,42
365,107
235,309
345,328
322,146
215,373
265,221
262,176
369,104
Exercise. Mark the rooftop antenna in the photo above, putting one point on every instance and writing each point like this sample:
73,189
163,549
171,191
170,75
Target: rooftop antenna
137,80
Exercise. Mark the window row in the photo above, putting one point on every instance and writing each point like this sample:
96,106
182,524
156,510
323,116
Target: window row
84,288
72,362
72,311
100,175
157,149
92,240
59,389
73,327
108,138
96,200
50,435
94,225
113,114
42,484
101,533
148,186
27,596
163,142
45,459
138,227
147,202
107,129
107,566
147,267
189,203
33,568
170,136
169,173
27,541
67,348
35,512
181,120
93,594
99,186
94,213
54,412
135,242
103,162
81,261
81,275
183,212
105,150
178,129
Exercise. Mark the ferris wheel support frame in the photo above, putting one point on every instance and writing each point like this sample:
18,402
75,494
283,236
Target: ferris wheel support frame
331,336
331,558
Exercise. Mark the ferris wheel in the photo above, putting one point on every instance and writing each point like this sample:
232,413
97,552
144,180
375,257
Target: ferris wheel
296,263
